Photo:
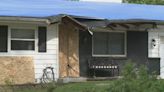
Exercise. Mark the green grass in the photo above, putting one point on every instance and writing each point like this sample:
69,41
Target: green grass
84,87
94,86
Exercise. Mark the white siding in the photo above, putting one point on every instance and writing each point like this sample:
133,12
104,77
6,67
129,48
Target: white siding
50,58
153,52
41,60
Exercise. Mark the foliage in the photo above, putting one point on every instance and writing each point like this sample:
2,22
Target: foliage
136,81
157,2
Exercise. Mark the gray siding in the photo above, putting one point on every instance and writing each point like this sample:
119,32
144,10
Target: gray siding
137,51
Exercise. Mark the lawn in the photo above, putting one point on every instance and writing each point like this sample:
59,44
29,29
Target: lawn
92,86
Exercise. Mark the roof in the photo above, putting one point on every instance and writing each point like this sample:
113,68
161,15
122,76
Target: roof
113,11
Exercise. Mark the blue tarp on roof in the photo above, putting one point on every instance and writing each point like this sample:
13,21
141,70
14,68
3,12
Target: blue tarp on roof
44,8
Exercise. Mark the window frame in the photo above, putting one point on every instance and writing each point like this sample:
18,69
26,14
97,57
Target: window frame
23,51
107,55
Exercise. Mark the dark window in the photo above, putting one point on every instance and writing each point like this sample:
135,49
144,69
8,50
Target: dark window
109,43
42,35
22,45
3,38
22,39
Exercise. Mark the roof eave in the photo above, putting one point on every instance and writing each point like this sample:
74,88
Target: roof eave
24,19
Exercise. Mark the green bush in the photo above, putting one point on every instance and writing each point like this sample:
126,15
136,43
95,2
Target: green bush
136,80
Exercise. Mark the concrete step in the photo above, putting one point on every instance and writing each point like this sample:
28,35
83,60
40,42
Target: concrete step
84,79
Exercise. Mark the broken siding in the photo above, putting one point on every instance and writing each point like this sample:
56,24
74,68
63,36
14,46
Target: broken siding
155,34
41,60
153,50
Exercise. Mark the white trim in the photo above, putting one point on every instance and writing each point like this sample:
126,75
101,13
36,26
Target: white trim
36,40
125,45
19,39
22,51
9,40
57,67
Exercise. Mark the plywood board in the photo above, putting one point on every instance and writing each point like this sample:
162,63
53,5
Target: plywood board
16,70
63,52
68,50
73,52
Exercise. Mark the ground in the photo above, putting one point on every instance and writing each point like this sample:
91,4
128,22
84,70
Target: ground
92,86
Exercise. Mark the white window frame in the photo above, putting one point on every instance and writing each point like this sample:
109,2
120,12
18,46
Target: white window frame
23,51
125,45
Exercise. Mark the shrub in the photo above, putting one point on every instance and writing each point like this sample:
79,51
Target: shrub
136,80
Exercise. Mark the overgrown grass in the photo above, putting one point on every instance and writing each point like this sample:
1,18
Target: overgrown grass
137,81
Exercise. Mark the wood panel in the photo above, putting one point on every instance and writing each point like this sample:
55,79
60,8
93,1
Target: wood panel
63,52
73,52
68,51
16,70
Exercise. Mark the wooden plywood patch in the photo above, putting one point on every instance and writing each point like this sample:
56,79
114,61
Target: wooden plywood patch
68,50
63,52
16,70
73,52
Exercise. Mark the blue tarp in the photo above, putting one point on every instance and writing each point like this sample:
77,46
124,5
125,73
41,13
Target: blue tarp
44,8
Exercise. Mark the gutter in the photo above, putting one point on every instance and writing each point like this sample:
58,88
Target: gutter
24,19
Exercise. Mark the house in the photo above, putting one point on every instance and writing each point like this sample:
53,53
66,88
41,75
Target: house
67,35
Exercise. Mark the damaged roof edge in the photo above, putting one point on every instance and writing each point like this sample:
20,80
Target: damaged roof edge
58,18
137,21
46,20
24,19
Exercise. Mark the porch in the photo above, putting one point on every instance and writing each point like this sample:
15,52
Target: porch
104,48
133,46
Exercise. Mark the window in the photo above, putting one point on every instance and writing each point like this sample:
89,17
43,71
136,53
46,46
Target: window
22,39
109,44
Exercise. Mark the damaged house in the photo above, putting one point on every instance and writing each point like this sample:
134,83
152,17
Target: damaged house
78,39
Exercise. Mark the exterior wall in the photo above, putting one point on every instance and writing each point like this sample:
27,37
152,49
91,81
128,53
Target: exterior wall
155,34
41,60
155,48
50,58
137,51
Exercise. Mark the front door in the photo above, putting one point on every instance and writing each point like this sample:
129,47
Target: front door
162,56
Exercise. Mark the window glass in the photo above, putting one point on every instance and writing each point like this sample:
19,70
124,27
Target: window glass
108,43
22,45
116,44
22,39
23,33
100,43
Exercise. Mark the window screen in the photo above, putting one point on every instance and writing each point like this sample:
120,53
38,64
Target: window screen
23,33
22,39
108,43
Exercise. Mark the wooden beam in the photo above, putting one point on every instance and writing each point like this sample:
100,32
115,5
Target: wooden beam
124,25
67,19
